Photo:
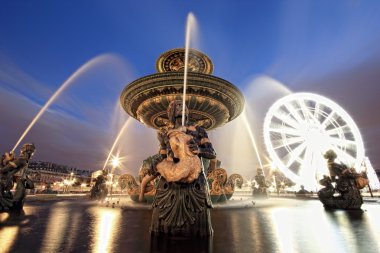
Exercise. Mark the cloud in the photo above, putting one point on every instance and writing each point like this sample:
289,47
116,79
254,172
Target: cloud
15,79
356,90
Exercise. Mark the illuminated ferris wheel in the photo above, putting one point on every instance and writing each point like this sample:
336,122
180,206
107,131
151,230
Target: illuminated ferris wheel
301,127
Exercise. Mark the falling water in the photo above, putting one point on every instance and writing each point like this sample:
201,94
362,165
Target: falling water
246,123
261,92
189,26
67,83
116,141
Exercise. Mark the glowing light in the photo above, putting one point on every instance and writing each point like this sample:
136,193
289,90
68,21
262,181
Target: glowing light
301,127
116,141
115,161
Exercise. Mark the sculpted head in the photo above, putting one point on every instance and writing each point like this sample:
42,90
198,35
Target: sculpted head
174,111
28,149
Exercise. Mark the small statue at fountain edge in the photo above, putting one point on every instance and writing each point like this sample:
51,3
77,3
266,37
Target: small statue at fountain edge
13,170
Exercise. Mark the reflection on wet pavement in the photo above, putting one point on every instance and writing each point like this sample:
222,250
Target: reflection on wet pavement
273,225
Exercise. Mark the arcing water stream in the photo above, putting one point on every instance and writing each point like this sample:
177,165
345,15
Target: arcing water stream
85,67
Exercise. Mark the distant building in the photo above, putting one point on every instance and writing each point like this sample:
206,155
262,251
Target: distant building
50,173
96,173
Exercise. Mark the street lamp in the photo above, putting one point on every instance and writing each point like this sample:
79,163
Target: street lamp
115,163
71,181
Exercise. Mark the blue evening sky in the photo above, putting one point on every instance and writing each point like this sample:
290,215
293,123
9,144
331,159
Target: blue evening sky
329,47
51,39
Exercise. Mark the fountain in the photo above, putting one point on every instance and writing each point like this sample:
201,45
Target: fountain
210,102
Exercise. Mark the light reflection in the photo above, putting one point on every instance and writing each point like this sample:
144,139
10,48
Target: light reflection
293,240
283,225
73,230
56,230
357,229
346,230
373,223
327,232
235,235
257,238
8,237
105,232
3,217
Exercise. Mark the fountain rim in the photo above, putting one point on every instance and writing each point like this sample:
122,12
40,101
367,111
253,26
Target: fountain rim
175,79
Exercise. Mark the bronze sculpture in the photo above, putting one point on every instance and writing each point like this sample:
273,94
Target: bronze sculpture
303,193
347,184
129,183
234,180
261,190
217,179
13,171
221,186
99,191
182,201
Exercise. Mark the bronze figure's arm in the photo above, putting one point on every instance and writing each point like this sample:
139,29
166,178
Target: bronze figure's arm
206,149
143,184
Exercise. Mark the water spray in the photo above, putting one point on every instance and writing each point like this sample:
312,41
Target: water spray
246,123
67,83
116,141
190,20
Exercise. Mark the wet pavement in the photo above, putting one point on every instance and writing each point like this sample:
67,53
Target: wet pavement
272,225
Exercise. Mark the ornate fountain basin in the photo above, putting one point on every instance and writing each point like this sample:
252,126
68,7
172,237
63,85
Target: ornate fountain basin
211,101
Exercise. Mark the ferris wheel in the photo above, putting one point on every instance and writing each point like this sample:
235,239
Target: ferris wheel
301,127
